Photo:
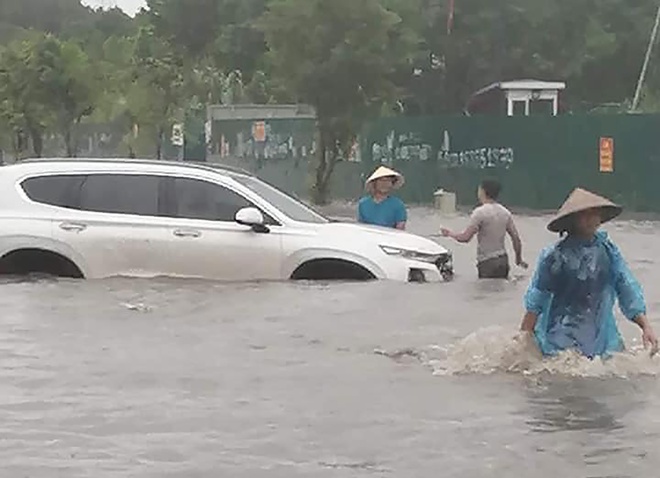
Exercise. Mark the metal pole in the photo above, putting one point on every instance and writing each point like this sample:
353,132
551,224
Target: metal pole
647,59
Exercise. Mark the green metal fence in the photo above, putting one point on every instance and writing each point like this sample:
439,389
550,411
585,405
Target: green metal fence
538,159
280,151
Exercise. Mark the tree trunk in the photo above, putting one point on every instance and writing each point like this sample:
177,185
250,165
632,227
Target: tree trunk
331,161
68,141
329,153
320,186
37,141
18,144
70,138
159,143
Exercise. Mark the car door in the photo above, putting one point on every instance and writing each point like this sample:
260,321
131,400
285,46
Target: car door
208,243
115,224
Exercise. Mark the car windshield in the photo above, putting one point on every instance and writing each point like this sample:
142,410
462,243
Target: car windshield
287,205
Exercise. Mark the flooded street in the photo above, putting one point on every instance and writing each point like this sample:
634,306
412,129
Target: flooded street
179,378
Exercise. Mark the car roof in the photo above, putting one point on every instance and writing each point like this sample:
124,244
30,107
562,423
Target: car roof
195,165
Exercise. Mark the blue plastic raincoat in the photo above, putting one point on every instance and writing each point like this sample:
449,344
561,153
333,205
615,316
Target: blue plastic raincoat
573,292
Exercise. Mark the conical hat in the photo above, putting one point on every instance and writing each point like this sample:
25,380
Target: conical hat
383,172
581,200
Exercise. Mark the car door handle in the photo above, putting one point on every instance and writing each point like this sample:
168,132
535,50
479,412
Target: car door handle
187,233
72,227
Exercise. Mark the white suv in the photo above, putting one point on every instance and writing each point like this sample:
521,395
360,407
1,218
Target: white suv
96,218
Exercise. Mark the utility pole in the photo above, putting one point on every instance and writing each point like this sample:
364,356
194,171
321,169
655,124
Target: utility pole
647,59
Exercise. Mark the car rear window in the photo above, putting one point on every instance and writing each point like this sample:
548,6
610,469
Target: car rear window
57,190
133,194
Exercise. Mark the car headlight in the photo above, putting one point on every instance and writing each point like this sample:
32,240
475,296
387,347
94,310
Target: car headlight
410,254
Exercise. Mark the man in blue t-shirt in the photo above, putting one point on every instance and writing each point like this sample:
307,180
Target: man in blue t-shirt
379,208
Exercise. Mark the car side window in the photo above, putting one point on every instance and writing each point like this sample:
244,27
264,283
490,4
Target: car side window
121,194
55,190
196,199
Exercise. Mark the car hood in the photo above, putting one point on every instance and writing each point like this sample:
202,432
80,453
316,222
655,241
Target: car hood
381,236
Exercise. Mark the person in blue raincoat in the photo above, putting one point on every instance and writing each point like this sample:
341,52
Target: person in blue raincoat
570,301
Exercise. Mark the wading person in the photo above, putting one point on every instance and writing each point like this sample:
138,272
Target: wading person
570,301
491,222
379,207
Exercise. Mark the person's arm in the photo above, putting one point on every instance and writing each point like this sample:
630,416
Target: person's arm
402,216
360,214
516,241
539,293
529,321
649,339
631,298
465,236
469,232
628,290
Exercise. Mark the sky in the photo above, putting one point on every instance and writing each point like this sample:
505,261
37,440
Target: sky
129,6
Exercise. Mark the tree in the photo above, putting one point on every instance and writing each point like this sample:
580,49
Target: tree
67,85
52,16
45,83
20,96
352,60
240,44
221,30
191,26
341,58
581,42
156,96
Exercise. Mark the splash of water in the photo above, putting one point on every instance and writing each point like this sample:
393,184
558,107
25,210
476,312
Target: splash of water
495,350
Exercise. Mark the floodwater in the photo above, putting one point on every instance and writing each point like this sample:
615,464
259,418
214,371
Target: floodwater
138,378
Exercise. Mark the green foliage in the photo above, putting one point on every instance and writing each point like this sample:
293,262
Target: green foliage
189,26
21,93
67,84
156,95
596,46
223,30
63,64
52,16
44,83
342,58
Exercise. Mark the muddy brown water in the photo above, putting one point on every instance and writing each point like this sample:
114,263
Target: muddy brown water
172,378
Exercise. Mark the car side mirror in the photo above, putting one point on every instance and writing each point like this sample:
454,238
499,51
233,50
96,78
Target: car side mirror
252,217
